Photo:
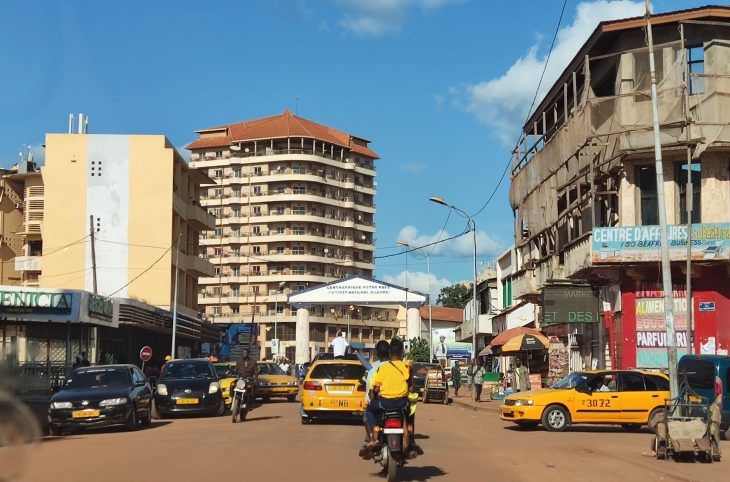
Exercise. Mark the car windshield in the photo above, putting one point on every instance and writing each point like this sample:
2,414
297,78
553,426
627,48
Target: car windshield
571,381
97,378
187,369
700,373
223,370
270,369
337,371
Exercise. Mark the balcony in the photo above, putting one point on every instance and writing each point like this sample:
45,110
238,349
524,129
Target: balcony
524,283
28,263
199,218
196,265
578,256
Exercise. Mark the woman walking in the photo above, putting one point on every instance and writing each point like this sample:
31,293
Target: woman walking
479,372
456,377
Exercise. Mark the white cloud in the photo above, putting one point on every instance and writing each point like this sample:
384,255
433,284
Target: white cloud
502,102
414,167
378,17
419,281
462,247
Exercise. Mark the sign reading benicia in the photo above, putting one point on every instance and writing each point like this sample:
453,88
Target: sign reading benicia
35,302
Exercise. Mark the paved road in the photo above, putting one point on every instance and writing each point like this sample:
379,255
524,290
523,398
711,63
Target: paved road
460,445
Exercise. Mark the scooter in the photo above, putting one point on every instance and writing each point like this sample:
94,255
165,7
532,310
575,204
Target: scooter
242,399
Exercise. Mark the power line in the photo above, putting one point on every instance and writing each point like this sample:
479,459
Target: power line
414,248
142,273
529,111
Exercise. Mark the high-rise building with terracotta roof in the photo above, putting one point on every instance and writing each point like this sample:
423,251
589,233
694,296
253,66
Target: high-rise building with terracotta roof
294,203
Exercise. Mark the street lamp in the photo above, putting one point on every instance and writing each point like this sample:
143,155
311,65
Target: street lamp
276,315
473,225
428,268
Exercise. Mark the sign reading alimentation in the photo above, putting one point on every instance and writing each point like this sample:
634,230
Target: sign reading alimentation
642,243
35,302
569,304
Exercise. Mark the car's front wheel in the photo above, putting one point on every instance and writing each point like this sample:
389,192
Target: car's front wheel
132,419
555,418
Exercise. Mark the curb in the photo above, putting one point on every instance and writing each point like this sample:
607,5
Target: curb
486,407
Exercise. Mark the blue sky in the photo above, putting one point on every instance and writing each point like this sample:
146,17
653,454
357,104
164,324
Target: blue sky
439,86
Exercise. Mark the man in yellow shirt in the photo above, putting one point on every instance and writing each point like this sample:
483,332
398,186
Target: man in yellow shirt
389,387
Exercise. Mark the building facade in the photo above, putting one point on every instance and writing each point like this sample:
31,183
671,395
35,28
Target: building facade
294,207
584,193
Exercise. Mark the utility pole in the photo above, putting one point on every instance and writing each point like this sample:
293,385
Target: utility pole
666,267
174,295
93,250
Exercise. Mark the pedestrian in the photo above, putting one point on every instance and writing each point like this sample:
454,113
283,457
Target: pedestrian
439,351
520,376
470,374
456,377
479,372
339,345
84,361
285,366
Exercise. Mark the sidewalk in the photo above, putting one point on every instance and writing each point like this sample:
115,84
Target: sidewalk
466,400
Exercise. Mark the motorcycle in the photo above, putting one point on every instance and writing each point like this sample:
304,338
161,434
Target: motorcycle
391,452
242,399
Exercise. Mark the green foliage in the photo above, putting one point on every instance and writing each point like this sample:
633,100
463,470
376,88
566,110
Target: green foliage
419,350
453,296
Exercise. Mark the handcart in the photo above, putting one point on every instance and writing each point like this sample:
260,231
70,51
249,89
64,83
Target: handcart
689,429
436,387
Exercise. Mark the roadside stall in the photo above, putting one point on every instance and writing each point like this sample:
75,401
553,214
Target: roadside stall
529,345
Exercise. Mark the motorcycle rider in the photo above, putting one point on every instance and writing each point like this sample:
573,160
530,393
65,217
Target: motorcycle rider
246,368
382,351
389,391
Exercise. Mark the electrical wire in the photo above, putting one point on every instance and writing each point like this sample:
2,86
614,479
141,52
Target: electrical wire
414,248
529,111
142,273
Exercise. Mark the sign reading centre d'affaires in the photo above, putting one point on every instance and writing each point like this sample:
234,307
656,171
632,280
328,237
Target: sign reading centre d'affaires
642,243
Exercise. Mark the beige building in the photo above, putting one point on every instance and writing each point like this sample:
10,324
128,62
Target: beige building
585,199
294,208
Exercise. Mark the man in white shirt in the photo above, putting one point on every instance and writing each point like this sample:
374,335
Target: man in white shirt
284,365
339,345
439,351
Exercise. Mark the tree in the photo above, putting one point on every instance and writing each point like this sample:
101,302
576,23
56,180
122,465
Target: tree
453,296
419,350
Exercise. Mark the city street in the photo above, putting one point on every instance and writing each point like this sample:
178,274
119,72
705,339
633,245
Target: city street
460,444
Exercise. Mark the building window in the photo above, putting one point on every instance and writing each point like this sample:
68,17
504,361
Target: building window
235,291
256,269
256,230
299,190
280,189
218,155
388,334
299,170
236,192
257,171
218,192
217,270
218,172
297,269
696,67
217,212
236,212
299,230
506,293
235,309
355,333
681,180
298,210
297,288
280,308
279,210
256,190
256,210
279,250
376,334
256,250
216,311
216,291
648,205
255,290
218,232
237,172
236,272
297,250
366,334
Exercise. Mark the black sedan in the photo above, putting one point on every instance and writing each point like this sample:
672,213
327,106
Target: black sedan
189,386
100,396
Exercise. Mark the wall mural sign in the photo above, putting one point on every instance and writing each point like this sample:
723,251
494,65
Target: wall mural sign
641,243
651,337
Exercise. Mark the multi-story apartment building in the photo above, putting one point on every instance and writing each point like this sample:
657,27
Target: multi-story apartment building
294,207
584,192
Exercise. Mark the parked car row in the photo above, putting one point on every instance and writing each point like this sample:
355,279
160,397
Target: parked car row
110,395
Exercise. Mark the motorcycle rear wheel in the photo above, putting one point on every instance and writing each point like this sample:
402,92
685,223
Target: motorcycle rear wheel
392,468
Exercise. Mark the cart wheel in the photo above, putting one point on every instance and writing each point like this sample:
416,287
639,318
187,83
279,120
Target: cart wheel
715,450
660,448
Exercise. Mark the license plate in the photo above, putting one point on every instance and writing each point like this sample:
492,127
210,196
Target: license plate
509,414
341,403
280,389
186,401
85,414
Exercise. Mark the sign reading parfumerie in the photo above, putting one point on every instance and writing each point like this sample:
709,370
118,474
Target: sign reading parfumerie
35,302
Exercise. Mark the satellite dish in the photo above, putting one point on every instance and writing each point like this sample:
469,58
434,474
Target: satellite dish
235,148
246,149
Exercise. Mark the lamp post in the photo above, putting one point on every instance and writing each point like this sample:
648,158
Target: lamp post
276,316
428,268
473,225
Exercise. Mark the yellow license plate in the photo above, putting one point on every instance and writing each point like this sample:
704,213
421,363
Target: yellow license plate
186,401
341,403
85,413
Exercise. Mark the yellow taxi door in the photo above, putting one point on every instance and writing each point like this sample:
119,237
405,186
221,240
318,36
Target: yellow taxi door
636,401
598,401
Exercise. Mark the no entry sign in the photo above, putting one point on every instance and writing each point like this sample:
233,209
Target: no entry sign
145,354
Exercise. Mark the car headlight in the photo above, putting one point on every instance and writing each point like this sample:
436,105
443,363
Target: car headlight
214,387
161,389
521,403
112,402
61,405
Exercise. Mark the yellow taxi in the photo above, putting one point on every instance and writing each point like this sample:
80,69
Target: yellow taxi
622,397
226,374
333,389
273,382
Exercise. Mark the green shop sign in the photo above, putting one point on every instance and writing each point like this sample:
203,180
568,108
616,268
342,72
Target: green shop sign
569,304
35,302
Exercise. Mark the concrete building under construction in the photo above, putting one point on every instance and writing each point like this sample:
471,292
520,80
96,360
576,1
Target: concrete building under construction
584,192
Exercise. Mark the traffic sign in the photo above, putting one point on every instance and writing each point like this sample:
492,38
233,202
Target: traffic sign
145,354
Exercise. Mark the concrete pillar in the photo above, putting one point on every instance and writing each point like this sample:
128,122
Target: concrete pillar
413,323
302,352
